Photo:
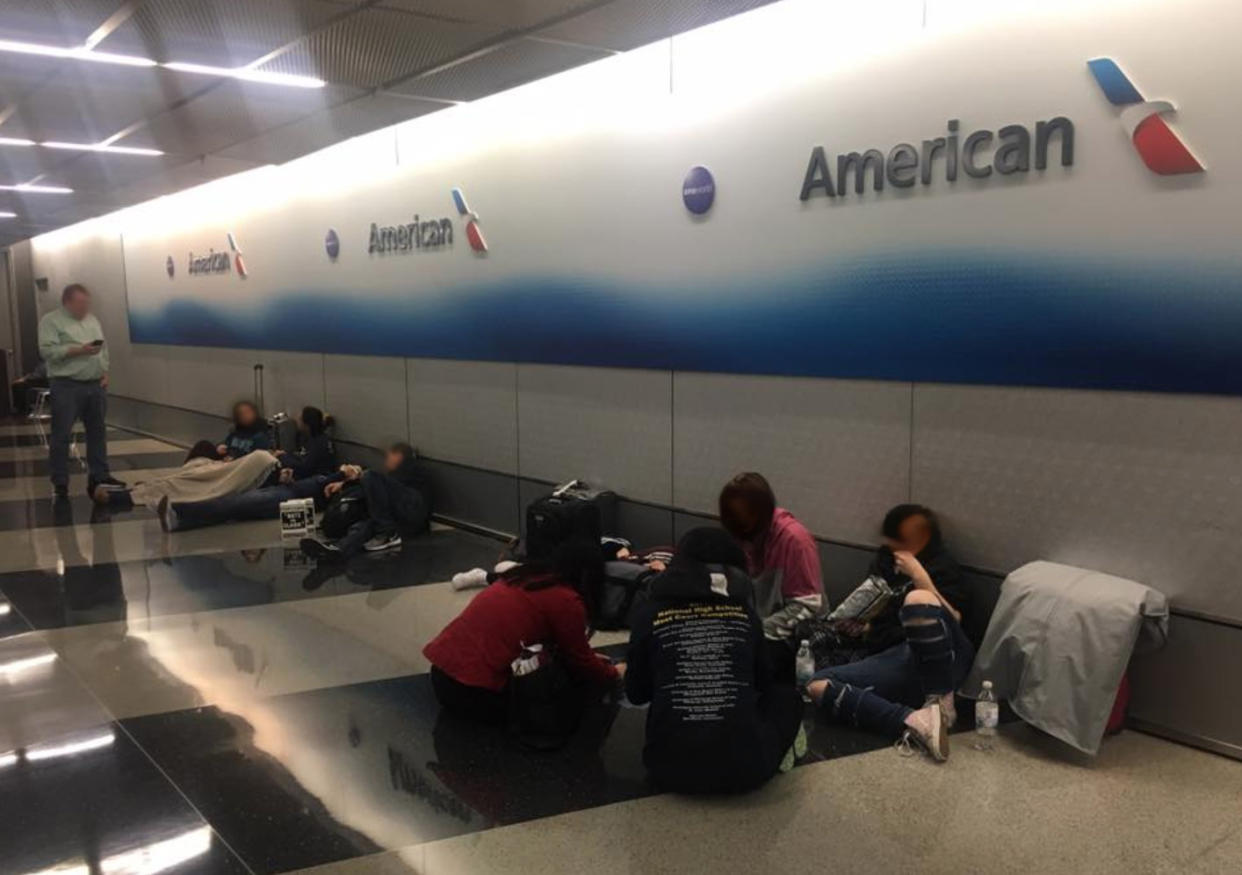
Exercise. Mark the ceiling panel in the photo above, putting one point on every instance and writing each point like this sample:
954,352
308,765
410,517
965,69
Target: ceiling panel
223,33
376,46
627,24
510,15
54,22
23,163
183,176
93,172
351,119
230,113
87,103
512,64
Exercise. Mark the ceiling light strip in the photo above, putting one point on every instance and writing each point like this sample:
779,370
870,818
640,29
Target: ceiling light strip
100,147
247,75
37,189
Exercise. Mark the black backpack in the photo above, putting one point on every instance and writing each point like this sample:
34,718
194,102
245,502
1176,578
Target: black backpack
623,593
347,507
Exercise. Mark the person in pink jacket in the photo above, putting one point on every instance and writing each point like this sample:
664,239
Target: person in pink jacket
783,557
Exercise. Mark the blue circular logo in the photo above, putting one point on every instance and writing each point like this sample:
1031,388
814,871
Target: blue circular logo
170,267
332,243
698,191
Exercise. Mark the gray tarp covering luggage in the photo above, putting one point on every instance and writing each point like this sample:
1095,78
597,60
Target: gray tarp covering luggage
1058,645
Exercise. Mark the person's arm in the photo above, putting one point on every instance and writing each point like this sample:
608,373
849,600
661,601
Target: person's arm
639,678
802,578
103,361
567,617
910,566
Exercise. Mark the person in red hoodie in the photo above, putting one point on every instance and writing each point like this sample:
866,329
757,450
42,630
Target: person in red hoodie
537,602
782,556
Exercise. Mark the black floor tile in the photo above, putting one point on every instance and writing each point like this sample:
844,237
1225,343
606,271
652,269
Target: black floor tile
29,513
109,591
118,463
94,802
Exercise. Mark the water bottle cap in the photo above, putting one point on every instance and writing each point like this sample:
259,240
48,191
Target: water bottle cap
805,643
987,685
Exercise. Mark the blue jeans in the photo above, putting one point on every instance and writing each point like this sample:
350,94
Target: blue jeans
880,691
73,400
254,504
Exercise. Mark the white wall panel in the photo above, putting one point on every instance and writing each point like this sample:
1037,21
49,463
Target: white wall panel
464,412
368,398
837,452
607,426
1143,486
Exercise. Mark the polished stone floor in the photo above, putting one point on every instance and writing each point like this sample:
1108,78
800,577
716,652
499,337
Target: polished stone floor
208,702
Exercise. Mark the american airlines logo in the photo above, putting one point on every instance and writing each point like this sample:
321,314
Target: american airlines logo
1161,149
213,261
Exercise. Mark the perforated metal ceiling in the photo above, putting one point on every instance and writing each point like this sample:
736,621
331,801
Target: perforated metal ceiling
385,61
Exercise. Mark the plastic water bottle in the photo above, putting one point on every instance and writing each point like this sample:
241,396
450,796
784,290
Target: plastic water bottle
804,668
987,716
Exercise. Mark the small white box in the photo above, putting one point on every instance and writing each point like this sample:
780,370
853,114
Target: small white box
297,516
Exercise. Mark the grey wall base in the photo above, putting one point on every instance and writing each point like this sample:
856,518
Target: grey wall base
1184,692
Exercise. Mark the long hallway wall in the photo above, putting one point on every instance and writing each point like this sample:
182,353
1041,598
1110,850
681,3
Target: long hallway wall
1142,485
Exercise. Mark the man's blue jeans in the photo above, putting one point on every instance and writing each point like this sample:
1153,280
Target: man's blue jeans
255,504
73,400
879,692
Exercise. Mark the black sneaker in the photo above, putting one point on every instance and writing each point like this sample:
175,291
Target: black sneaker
380,543
320,551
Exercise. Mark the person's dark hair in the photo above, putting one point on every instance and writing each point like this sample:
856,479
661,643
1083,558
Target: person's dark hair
247,405
891,527
316,421
406,451
711,546
755,492
203,450
71,290
578,563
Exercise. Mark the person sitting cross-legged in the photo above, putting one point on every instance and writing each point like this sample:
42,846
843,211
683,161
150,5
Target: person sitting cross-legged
397,500
719,722
905,690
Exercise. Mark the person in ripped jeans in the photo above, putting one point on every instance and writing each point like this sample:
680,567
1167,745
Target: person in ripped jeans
905,690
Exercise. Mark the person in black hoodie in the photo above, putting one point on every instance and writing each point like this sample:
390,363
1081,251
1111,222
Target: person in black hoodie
718,722
315,453
396,498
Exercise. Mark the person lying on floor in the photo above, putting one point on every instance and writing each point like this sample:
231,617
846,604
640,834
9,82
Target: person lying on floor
905,690
542,601
315,453
391,497
718,721
781,556
249,432
203,475
396,499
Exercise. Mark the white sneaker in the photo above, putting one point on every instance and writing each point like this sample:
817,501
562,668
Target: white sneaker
926,728
380,543
475,578
948,708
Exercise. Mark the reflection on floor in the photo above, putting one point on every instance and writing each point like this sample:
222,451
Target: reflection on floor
209,702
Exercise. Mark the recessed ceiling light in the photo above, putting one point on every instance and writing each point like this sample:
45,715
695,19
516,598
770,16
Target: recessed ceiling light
15,141
37,189
248,75
79,53
100,147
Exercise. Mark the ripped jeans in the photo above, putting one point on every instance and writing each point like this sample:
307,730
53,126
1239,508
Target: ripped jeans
880,692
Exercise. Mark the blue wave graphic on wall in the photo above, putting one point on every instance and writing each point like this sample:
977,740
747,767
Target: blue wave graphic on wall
957,318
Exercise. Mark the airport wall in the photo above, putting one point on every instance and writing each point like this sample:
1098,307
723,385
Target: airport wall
1031,427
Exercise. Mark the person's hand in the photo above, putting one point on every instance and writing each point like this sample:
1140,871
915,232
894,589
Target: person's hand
332,488
351,472
222,450
286,475
912,568
620,667
85,349
103,381
657,565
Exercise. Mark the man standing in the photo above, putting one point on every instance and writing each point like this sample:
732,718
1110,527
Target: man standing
71,342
